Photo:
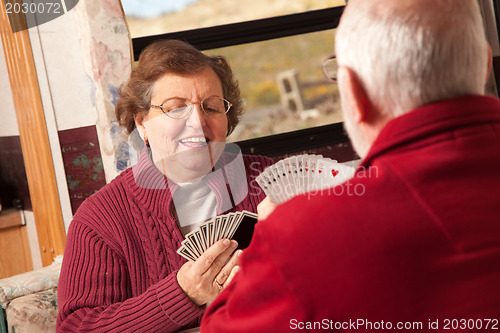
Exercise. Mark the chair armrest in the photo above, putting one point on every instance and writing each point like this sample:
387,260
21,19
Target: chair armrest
30,282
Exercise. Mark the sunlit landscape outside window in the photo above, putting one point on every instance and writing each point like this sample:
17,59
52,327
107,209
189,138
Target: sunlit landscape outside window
280,79
283,85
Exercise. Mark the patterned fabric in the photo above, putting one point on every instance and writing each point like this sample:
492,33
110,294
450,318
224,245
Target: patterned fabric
30,299
33,313
82,163
30,282
105,47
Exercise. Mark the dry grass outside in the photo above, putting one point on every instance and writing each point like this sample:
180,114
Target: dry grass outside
260,62
276,119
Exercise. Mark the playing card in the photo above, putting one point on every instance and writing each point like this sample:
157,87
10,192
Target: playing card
217,225
285,179
265,180
321,178
263,183
204,235
187,245
311,172
193,241
293,172
335,173
235,224
277,184
199,241
307,176
211,232
223,226
243,234
238,226
300,174
186,254
229,224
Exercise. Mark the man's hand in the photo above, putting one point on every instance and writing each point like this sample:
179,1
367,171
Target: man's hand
265,208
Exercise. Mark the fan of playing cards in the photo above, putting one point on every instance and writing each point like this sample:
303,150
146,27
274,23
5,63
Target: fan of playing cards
238,226
300,174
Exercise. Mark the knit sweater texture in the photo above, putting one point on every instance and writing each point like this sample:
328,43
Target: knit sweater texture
411,243
119,272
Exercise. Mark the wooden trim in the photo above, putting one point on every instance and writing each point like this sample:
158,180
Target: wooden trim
15,255
10,218
34,137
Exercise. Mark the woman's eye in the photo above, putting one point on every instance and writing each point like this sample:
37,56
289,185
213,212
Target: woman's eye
211,110
177,110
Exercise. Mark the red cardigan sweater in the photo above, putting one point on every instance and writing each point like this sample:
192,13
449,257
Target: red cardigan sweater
120,262
413,238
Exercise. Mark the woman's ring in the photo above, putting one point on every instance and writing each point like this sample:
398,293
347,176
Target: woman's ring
219,284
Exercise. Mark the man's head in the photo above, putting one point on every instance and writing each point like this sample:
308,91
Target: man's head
395,56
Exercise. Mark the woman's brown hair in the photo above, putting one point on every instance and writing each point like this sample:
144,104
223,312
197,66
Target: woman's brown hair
175,57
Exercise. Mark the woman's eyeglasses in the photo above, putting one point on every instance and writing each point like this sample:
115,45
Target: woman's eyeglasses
179,107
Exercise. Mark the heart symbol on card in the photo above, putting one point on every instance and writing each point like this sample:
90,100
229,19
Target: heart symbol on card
335,173
307,169
320,171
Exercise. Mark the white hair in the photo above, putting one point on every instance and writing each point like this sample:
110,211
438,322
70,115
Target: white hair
412,53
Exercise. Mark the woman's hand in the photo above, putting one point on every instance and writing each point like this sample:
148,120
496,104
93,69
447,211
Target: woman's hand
265,208
203,279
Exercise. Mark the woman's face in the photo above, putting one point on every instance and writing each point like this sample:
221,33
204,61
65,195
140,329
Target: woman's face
185,149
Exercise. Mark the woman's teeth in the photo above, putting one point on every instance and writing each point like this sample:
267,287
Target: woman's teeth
193,140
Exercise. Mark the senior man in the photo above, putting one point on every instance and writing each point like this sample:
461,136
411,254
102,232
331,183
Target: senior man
419,248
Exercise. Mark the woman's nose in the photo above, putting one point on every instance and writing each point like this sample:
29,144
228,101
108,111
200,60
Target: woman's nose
197,117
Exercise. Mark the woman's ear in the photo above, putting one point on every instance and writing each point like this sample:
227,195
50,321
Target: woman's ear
139,124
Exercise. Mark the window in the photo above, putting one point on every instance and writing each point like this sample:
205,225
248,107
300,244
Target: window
282,84
275,51
154,17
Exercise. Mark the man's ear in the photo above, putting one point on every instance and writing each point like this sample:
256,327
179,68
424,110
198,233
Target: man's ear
356,97
490,62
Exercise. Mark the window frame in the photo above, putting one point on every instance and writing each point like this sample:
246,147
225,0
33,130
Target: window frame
271,28
262,30
496,57
249,31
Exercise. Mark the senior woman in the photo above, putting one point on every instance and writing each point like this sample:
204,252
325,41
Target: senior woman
120,270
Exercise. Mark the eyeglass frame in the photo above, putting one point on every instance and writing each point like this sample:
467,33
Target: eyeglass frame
191,103
326,73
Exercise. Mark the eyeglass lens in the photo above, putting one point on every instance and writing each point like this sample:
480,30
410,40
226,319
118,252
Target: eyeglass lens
180,107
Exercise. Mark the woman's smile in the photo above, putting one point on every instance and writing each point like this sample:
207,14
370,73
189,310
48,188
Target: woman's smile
194,142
